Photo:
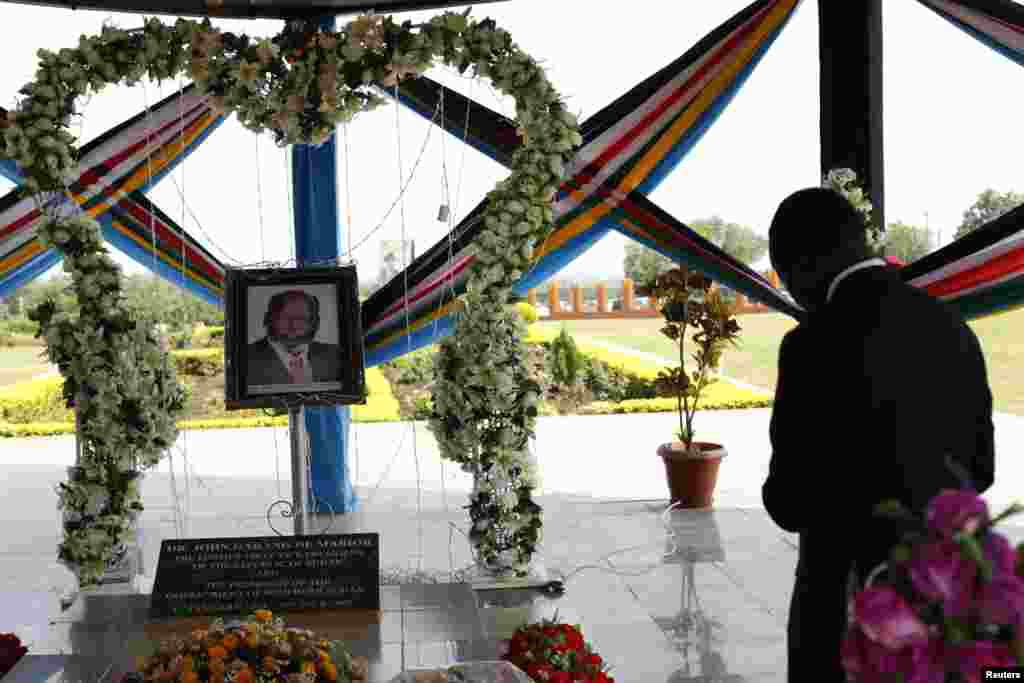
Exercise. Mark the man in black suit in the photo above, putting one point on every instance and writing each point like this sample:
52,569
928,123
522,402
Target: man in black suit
288,354
882,394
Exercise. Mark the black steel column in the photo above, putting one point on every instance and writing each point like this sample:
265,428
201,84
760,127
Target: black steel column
850,42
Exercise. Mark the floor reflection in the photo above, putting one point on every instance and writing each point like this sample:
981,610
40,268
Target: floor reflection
698,600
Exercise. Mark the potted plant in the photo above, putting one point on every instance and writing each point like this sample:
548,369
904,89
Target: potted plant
686,299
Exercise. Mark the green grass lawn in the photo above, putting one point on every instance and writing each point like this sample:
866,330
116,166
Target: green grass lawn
755,360
19,363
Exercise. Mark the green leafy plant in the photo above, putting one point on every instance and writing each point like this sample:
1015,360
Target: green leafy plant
686,299
566,359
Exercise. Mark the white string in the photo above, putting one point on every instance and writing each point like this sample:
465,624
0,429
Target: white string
184,289
195,219
404,187
179,513
408,336
462,158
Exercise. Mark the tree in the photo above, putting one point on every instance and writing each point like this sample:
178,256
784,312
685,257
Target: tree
146,295
908,242
989,206
643,264
739,241
742,243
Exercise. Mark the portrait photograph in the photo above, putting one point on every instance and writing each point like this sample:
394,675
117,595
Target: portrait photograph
293,333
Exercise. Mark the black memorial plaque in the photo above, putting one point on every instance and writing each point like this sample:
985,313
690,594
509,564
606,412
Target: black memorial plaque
210,576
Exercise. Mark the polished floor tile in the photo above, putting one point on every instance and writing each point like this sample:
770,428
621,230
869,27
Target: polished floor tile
637,580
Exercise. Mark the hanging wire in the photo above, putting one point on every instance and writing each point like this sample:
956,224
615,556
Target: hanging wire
184,288
408,332
403,188
150,147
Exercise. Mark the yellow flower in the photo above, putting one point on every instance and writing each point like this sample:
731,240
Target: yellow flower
265,615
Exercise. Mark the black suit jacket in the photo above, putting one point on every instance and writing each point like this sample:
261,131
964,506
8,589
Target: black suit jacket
874,392
265,367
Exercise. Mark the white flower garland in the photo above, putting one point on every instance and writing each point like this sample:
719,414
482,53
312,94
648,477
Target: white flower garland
127,394
844,181
298,85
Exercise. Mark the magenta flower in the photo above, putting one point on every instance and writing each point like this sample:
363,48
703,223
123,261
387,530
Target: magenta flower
954,510
970,658
1001,601
871,662
938,571
928,662
886,618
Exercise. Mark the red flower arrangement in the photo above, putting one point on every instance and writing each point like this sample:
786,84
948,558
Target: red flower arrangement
552,652
11,650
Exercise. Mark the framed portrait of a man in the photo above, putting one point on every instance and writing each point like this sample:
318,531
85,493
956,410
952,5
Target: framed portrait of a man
293,337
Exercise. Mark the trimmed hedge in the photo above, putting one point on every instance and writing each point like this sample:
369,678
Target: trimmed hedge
35,400
668,405
722,395
23,403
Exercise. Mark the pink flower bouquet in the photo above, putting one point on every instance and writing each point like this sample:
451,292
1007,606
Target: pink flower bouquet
951,602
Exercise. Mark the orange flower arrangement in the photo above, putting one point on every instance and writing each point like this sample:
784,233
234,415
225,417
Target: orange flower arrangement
260,650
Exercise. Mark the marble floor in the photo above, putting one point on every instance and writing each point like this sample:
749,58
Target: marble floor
661,597
688,596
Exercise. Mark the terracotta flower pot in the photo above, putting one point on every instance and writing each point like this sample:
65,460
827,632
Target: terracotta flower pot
692,478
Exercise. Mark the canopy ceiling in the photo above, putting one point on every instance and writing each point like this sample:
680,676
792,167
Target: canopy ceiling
252,9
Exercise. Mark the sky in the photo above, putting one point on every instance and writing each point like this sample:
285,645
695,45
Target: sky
951,119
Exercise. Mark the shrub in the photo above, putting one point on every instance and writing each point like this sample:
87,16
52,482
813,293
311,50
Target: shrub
20,326
216,332
668,405
422,408
199,362
36,400
565,359
43,397
414,368
527,312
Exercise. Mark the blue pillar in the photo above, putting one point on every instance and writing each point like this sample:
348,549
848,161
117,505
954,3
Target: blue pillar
318,237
